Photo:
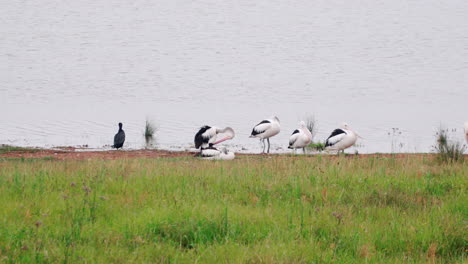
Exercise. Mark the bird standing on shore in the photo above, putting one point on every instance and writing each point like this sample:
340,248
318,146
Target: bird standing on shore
300,138
341,138
265,130
119,138
206,137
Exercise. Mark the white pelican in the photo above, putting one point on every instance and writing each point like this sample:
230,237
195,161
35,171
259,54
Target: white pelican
206,137
119,138
215,154
466,131
300,138
341,138
266,129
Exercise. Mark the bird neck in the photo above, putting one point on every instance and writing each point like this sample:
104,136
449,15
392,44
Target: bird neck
307,132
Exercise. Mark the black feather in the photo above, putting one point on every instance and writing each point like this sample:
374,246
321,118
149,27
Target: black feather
264,122
254,133
199,139
335,132
295,132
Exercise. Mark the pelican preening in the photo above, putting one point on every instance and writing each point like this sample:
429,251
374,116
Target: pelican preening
300,138
206,136
341,138
205,139
265,130
119,138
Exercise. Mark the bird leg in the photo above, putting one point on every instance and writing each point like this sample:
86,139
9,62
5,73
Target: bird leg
268,140
263,144
303,150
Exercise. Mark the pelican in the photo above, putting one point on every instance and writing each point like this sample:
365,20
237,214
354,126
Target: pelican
265,130
215,154
206,137
119,138
341,138
300,138
466,131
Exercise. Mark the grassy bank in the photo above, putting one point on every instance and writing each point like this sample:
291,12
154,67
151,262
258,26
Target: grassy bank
251,210
9,149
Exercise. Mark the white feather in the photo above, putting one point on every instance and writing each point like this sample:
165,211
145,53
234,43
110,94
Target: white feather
293,138
215,154
261,128
301,139
211,134
336,139
267,130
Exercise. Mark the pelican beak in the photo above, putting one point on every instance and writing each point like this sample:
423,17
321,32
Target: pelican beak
221,140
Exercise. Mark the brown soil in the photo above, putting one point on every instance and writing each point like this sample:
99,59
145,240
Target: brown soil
72,154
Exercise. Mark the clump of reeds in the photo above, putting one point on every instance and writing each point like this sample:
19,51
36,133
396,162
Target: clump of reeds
318,146
311,124
448,150
150,130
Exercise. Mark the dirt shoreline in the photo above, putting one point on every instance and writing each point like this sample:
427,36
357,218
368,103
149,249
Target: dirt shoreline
72,154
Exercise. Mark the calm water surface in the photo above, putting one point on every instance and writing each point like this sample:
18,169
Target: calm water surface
71,70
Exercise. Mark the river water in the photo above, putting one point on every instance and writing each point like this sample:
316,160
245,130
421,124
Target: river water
71,70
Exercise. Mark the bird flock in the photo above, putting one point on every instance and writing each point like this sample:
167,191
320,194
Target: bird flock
206,138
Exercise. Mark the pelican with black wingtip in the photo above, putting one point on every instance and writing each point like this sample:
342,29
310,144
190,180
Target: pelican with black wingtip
300,138
265,130
341,139
206,137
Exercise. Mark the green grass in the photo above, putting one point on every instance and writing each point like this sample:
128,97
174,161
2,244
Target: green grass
318,146
273,209
8,148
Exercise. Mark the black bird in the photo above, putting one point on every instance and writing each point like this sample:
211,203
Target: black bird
119,138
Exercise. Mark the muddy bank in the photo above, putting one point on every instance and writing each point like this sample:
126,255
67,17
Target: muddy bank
71,153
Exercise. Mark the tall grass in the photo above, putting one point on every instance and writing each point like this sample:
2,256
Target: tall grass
252,210
395,135
448,150
8,148
311,123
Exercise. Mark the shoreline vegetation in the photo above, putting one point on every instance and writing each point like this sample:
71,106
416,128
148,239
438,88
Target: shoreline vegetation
169,207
